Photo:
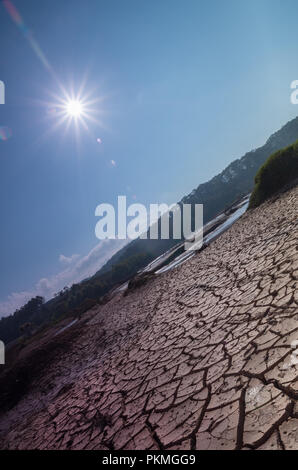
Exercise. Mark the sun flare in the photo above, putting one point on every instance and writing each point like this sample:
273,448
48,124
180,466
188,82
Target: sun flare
74,108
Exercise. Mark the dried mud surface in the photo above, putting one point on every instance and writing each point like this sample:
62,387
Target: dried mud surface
202,357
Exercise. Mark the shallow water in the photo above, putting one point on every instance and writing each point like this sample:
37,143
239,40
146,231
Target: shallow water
65,327
211,236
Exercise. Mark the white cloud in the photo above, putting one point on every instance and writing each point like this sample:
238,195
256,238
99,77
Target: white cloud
68,259
76,269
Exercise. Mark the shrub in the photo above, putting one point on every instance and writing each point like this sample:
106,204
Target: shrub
280,169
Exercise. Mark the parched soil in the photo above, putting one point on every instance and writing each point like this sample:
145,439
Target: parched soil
201,357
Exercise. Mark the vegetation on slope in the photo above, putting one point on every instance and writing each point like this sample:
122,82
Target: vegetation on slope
70,302
279,170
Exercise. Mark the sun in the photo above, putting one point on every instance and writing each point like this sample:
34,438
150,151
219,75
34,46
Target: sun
74,108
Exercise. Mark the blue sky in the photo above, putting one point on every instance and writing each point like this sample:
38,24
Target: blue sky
184,87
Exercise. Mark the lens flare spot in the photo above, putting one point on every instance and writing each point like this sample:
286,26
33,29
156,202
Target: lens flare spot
5,133
51,111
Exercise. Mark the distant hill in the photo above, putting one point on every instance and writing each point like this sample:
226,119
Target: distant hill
235,181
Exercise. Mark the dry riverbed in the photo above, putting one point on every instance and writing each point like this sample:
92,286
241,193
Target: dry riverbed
201,357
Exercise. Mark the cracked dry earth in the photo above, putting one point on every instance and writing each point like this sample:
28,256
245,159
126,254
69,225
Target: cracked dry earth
202,357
